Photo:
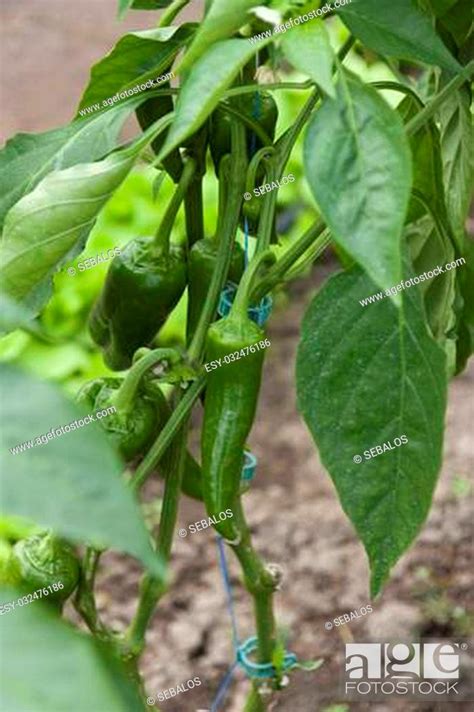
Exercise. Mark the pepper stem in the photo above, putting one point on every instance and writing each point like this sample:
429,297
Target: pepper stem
241,302
162,236
124,399
254,164
223,176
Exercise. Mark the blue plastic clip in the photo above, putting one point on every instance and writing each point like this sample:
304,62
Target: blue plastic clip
260,670
250,465
258,313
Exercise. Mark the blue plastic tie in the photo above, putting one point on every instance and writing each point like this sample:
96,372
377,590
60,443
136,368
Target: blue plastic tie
260,670
258,313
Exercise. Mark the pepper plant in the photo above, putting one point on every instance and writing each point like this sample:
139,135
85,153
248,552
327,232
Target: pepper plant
389,165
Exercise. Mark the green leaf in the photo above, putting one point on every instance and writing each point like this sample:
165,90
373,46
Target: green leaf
457,151
220,23
365,376
27,158
397,29
136,58
458,21
205,85
357,163
465,327
426,161
51,667
308,49
431,247
48,223
72,484
15,316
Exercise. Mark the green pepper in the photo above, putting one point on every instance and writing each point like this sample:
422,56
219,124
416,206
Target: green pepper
131,432
262,110
147,113
133,425
143,285
231,401
42,561
201,263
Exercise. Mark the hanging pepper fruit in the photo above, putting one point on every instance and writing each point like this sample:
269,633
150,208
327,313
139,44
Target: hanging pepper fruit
221,120
133,426
231,401
143,285
202,260
44,561
150,111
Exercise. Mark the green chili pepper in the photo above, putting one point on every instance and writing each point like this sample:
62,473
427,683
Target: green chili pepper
231,401
144,284
133,425
221,120
43,561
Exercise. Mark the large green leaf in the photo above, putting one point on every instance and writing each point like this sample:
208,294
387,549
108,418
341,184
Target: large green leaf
56,217
27,158
357,163
47,666
72,484
309,50
221,21
365,376
136,58
397,29
204,86
457,151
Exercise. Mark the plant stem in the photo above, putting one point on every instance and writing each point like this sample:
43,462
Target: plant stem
162,237
236,187
259,582
241,301
170,13
84,601
292,255
151,588
161,444
125,396
194,215
432,107
402,88
248,88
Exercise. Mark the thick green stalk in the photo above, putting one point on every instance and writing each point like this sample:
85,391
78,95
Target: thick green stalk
170,13
276,273
236,189
161,444
241,301
126,394
432,107
162,237
194,214
151,588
